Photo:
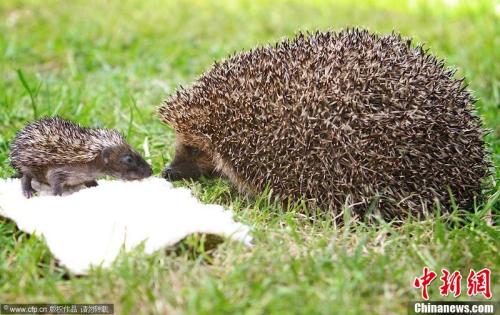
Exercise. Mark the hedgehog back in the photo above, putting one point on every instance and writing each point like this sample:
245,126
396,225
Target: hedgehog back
339,117
55,141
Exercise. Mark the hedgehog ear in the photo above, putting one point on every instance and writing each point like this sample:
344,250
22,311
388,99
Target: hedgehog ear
105,155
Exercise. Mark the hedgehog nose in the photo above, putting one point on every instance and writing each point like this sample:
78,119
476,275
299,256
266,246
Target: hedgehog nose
170,174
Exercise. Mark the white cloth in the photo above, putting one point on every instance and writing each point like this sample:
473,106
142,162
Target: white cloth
91,226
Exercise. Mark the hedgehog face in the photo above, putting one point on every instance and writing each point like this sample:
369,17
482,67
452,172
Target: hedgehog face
190,162
124,163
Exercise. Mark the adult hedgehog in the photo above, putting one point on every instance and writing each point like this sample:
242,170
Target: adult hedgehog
348,118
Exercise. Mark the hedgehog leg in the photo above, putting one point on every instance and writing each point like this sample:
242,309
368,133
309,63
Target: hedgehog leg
57,188
91,183
28,190
56,180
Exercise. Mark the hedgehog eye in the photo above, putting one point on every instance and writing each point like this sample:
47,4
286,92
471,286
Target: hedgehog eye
193,151
127,159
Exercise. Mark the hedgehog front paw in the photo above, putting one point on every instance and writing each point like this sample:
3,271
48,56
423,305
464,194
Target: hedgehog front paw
29,192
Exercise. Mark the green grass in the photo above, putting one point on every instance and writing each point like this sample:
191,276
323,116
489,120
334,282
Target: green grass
111,63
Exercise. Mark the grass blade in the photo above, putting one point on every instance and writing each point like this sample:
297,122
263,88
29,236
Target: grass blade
32,93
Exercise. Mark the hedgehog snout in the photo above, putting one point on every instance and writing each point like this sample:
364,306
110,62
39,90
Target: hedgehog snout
180,171
141,171
146,171
170,174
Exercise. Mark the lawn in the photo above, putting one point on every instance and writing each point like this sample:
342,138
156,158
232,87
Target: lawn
110,63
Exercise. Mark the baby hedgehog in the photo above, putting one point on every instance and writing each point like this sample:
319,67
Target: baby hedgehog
337,119
60,153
